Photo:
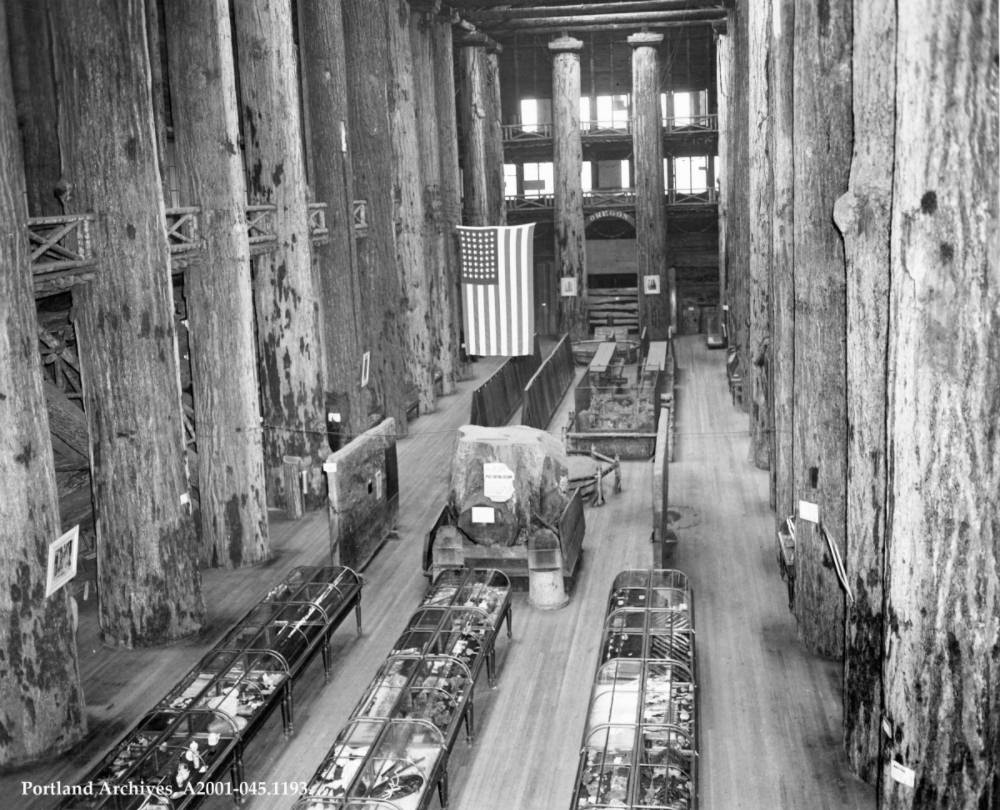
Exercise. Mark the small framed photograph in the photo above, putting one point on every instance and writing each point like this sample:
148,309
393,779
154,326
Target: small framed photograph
62,560
567,286
366,364
651,285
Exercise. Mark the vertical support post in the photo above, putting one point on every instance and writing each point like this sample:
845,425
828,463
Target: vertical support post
474,110
651,217
567,156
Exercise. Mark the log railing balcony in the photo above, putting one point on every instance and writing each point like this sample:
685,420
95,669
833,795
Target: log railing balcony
319,234
61,251
691,123
261,228
182,231
618,198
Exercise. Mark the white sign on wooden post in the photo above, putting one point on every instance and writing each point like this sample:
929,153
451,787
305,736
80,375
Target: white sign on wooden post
900,773
809,511
483,514
498,481
567,286
62,560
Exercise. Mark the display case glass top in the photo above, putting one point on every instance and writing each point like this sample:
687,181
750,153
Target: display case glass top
638,747
379,763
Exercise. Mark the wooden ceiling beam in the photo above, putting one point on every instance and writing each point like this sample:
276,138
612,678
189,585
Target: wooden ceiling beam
633,20
546,9
718,26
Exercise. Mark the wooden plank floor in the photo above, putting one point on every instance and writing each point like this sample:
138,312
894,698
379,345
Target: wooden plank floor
770,712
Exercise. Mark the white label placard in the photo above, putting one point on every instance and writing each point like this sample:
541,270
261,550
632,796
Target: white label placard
567,286
378,484
887,728
902,774
366,364
483,514
651,285
498,481
809,511
62,560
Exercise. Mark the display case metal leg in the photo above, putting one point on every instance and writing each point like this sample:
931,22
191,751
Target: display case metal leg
357,614
443,789
470,723
325,652
509,611
291,709
491,677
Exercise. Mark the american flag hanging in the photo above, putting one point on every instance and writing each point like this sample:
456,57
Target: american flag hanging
498,289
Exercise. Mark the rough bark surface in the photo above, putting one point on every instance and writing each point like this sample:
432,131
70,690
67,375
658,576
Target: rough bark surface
35,95
495,207
737,181
650,212
321,49
723,78
782,253
863,217
217,286
757,385
365,43
941,673
416,291
450,197
570,254
822,156
147,553
474,109
289,340
41,700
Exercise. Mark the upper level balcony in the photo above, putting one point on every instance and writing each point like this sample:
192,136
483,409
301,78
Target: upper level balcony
682,136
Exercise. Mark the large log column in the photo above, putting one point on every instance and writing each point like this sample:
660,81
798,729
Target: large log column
650,212
41,701
942,653
823,127
289,340
863,215
757,376
217,284
475,106
367,59
567,153
324,67
147,555
495,205
782,252
723,58
409,165
450,196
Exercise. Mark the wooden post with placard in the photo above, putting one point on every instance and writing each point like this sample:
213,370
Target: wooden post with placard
650,211
147,554
41,704
473,107
567,153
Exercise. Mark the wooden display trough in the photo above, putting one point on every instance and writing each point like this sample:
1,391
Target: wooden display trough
512,560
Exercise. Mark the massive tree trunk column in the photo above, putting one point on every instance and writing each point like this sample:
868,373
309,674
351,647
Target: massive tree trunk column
782,252
289,340
450,196
417,292
737,182
759,276
496,207
863,216
321,49
942,654
41,701
217,285
147,554
474,108
367,58
822,156
723,78
567,153
650,213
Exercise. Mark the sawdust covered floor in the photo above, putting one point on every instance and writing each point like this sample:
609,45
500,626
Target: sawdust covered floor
770,726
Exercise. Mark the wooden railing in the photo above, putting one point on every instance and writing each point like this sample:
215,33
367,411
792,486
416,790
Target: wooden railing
622,198
182,230
691,123
546,388
603,128
61,251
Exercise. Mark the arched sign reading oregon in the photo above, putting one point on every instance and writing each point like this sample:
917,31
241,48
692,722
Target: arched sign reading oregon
611,213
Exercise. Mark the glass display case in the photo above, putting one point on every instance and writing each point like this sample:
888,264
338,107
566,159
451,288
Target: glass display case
200,727
381,764
476,599
639,746
437,688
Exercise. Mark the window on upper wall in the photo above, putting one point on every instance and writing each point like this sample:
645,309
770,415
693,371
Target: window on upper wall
587,177
691,174
612,112
509,180
538,179
585,122
536,113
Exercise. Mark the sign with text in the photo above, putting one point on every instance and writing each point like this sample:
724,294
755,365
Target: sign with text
483,514
62,560
498,481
